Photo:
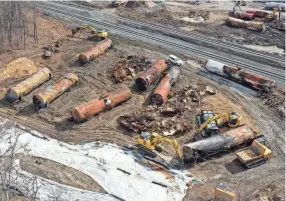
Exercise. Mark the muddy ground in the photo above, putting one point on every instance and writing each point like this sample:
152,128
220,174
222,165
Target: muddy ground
94,80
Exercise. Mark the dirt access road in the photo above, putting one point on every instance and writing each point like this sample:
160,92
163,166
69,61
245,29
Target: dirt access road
95,81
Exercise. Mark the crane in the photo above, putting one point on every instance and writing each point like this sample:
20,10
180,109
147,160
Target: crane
101,33
151,142
208,122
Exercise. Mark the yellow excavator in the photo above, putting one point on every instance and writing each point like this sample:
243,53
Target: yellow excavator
150,142
209,123
102,34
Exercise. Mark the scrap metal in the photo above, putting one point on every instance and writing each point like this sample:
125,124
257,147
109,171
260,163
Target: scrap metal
49,94
95,51
145,79
23,88
169,119
107,102
162,91
128,68
218,143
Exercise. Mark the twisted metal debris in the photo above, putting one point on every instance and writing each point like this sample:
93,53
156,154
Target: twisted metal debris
128,68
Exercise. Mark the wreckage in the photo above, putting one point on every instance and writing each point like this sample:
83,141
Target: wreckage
164,87
145,79
239,75
169,119
128,68
107,102
218,143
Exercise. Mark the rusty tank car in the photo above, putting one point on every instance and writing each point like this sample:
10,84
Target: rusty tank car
49,94
94,107
25,87
236,74
218,143
145,79
160,94
93,52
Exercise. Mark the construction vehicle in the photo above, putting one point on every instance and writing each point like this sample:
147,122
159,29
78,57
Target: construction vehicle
150,142
272,15
209,123
102,34
255,155
222,193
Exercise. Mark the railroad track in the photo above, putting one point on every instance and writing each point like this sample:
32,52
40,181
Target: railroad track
184,49
217,42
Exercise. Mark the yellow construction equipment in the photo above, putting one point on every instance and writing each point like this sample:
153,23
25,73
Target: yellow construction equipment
223,194
209,123
273,16
102,34
151,142
255,155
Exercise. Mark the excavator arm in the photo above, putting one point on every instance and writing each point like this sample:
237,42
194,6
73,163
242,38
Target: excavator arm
233,120
91,29
157,139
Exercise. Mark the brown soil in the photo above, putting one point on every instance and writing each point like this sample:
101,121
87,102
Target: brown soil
94,81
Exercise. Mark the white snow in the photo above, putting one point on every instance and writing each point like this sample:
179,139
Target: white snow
102,162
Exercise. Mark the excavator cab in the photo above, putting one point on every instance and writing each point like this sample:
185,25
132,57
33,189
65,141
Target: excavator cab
212,127
209,123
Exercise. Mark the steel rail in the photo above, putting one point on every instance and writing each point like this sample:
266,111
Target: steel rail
172,45
217,42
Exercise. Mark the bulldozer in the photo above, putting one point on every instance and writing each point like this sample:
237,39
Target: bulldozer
209,123
150,142
255,155
102,34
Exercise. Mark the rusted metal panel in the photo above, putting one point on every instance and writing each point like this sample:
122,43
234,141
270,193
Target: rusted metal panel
252,80
164,88
95,51
218,143
94,107
43,98
254,25
17,92
148,77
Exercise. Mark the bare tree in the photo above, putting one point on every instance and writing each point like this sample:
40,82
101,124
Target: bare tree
9,174
12,24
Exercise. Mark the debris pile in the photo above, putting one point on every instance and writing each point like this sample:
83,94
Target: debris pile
18,68
169,119
271,98
53,48
128,68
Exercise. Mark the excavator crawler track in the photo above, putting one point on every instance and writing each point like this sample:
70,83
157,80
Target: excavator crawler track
256,163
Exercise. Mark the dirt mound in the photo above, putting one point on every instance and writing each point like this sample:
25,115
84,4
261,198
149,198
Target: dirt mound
18,68
133,4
